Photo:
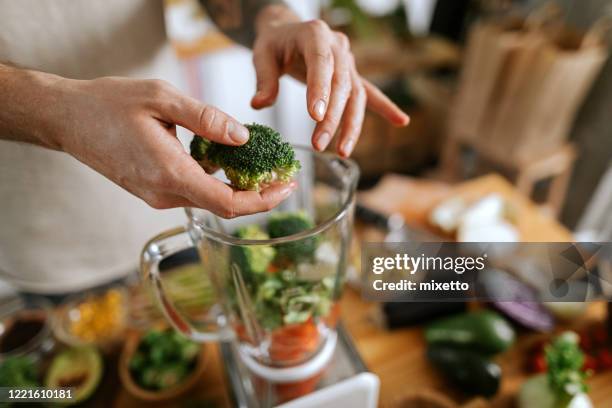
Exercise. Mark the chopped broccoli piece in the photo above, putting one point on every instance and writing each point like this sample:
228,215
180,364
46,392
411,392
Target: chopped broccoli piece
252,260
285,224
265,158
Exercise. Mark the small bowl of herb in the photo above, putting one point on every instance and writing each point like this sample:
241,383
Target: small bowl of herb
160,364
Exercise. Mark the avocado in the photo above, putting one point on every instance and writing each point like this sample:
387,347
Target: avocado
482,330
468,369
79,368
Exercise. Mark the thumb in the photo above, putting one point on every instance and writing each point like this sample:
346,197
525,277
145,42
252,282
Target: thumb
204,120
267,71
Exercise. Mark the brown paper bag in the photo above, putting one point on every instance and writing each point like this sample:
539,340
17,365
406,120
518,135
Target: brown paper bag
488,47
545,86
523,82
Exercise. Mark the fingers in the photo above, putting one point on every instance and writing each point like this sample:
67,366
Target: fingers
226,202
353,117
341,90
202,119
318,57
267,71
381,104
181,182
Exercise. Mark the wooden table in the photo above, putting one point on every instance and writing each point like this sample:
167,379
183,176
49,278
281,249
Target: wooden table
398,356
414,199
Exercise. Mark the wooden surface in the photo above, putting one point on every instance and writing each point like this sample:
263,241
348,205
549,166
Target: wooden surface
414,199
398,356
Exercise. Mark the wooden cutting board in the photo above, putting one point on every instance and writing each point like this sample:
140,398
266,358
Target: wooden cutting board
415,198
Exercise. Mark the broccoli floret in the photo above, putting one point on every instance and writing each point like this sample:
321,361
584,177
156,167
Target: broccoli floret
285,224
265,158
198,147
252,260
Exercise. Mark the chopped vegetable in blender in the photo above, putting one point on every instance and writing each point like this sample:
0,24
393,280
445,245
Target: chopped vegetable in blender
253,261
286,224
288,299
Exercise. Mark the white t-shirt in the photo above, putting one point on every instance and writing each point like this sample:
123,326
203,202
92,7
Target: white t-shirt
64,227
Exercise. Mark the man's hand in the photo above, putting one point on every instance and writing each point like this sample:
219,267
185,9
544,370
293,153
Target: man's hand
337,95
125,130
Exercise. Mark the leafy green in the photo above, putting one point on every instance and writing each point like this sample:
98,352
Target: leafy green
19,371
565,361
263,159
163,359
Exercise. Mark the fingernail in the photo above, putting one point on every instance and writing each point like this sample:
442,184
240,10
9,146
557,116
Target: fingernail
347,147
238,133
319,109
286,191
323,140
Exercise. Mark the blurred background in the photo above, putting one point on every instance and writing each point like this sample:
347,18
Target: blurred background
416,51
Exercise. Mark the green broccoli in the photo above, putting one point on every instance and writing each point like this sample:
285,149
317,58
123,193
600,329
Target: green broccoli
265,158
252,260
285,224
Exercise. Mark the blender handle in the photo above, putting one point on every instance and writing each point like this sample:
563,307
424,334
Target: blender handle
158,248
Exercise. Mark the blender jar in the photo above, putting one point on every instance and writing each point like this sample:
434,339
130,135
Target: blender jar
277,297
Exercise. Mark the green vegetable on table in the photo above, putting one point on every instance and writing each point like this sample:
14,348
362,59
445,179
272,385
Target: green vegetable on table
461,347
485,331
563,386
19,371
470,370
265,158
163,360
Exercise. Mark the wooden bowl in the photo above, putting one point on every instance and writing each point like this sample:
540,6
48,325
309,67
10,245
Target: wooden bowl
131,344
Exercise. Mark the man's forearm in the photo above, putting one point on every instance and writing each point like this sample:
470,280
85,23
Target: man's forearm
25,98
241,19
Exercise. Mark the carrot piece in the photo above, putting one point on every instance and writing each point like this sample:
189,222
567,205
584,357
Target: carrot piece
294,342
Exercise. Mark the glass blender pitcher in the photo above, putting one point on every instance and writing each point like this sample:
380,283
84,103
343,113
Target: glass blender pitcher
276,297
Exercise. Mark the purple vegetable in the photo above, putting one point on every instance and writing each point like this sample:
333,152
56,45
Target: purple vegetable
515,299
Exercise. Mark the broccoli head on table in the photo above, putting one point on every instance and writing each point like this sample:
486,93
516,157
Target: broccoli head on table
264,159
